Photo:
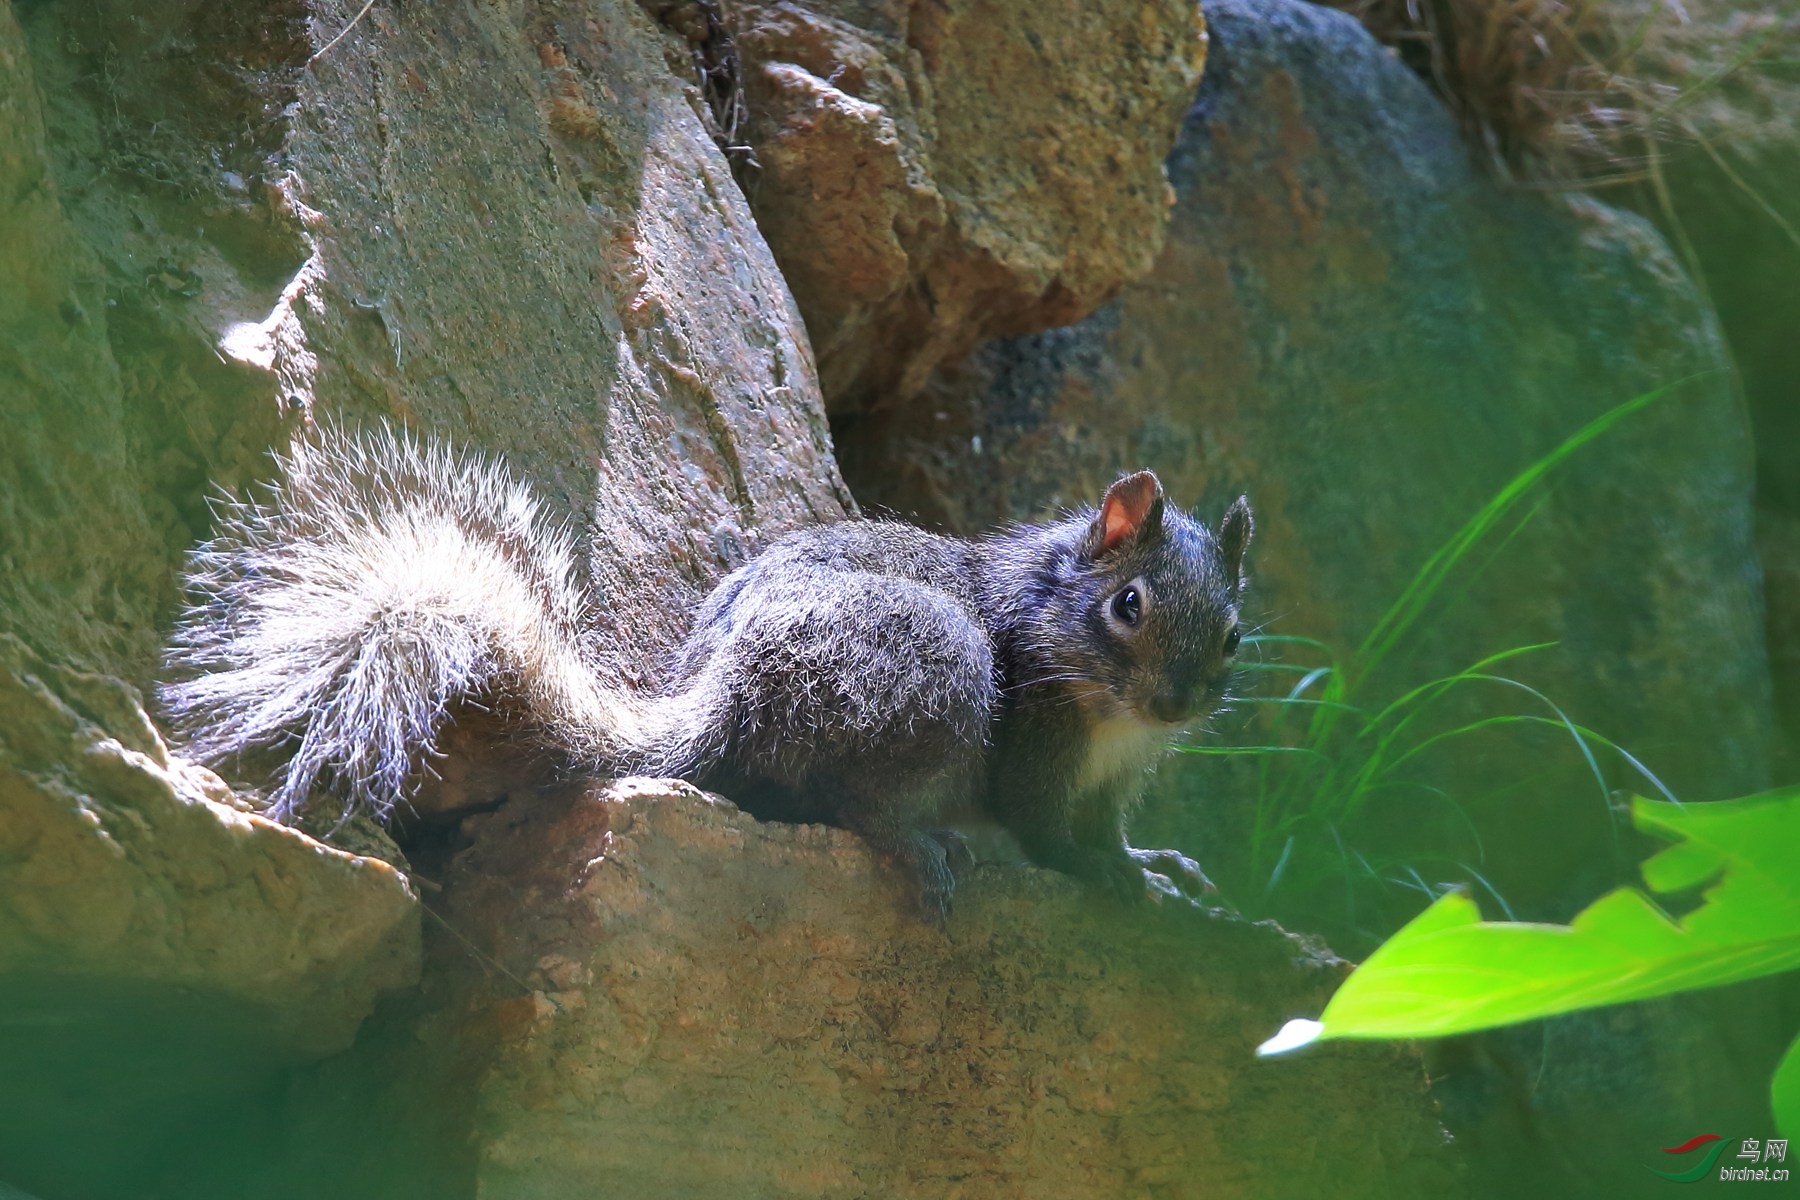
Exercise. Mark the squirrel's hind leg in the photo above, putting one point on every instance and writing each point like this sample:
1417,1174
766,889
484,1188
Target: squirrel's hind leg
887,821
870,695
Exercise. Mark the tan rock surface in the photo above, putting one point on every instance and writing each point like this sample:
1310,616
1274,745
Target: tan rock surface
727,1008
84,552
125,870
504,224
527,240
935,174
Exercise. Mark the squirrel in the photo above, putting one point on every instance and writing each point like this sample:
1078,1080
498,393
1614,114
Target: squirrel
866,673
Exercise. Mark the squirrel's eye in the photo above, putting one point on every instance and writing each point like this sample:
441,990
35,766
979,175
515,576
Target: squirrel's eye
1128,606
1231,641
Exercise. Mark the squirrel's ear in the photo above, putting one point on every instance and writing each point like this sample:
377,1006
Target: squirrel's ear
1234,536
1133,505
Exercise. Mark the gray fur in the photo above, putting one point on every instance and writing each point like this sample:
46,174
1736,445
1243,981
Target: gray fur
338,618
865,673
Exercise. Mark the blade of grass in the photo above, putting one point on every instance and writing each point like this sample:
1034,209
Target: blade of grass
1281,863
1562,717
1533,719
1297,700
1435,685
1400,615
1228,751
1293,639
1310,678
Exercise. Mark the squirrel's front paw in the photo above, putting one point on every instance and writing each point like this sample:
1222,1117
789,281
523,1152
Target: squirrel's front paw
934,905
1138,876
929,855
957,854
1120,875
1171,873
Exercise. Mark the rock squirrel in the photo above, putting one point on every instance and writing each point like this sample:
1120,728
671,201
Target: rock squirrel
866,673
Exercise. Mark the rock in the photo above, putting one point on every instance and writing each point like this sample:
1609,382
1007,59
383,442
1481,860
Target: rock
1731,200
352,250
581,288
524,240
505,227
122,867
931,175
85,541
1370,338
723,1007
160,948
1353,326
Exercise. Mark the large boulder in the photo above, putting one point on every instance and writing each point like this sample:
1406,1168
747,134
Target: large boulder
1370,338
1355,326
521,234
521,237
1730,196
507,230
86,540
124,866
932,175
160,947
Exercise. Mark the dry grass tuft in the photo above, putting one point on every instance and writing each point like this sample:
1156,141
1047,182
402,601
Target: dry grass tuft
717,70
1584,93
1544,87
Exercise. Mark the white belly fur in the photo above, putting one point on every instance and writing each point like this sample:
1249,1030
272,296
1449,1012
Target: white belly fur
1120,747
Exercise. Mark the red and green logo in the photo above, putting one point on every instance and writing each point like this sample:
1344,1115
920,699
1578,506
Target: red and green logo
1715,1145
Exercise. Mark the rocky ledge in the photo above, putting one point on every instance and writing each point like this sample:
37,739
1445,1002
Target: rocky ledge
686,1001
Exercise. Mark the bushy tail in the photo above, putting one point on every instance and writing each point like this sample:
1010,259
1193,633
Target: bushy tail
379,582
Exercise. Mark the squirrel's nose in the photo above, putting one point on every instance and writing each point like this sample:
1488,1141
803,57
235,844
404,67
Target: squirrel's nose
1169,705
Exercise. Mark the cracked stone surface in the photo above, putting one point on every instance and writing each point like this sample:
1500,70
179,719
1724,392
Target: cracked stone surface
722,1007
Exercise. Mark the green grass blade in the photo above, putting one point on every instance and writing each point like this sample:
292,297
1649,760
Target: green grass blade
1298,702
1462,731
1291,668
1493,891
1434,686
1600,739
1377,761
1228,751
1286,639
1400,615
1311,677
1281,863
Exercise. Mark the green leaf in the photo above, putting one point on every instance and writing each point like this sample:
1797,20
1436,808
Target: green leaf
1448,971
1784,1092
